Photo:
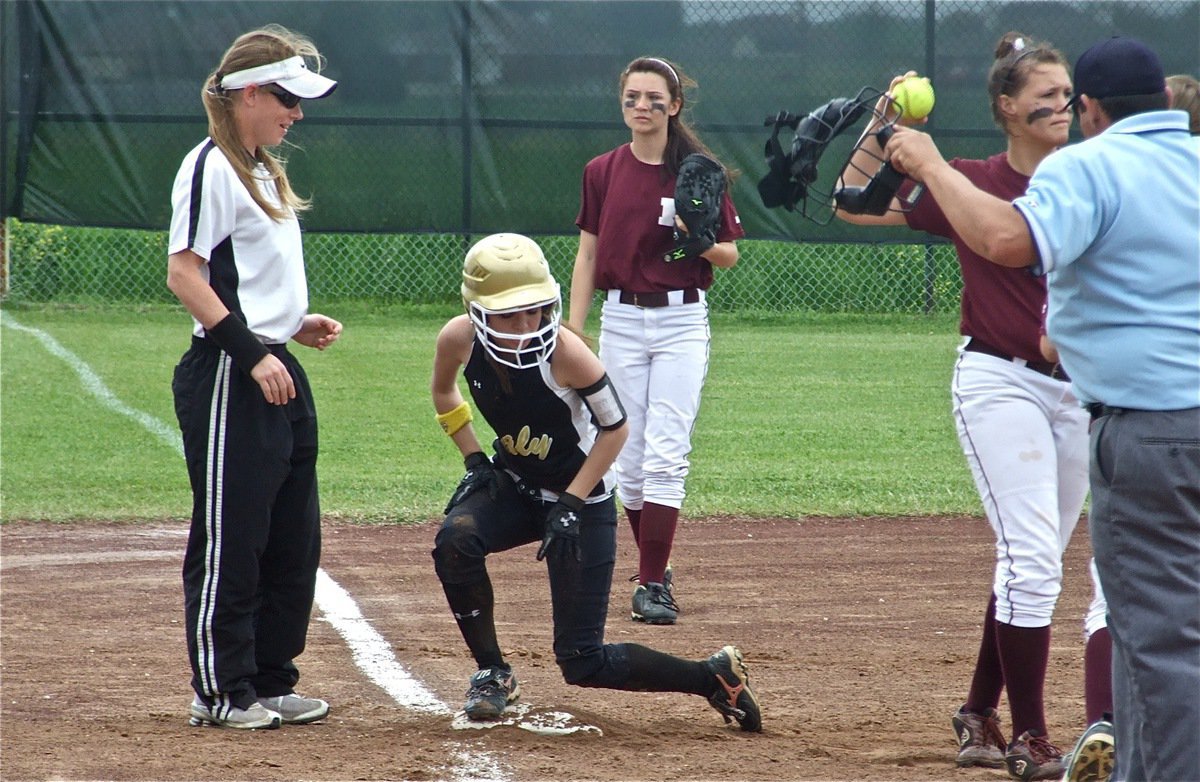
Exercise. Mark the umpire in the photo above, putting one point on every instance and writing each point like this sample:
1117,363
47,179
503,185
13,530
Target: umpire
1114,223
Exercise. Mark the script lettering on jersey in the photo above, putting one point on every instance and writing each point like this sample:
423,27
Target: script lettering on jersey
527,445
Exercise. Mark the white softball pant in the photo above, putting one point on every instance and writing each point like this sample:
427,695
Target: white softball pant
657,358
1026,441
1096,618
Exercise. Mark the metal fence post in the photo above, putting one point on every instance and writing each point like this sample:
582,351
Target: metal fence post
3,258
466,122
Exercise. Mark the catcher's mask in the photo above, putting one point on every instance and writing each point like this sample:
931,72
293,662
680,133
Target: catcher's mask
507,273
792,175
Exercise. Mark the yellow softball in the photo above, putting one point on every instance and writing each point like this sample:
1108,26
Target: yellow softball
914,97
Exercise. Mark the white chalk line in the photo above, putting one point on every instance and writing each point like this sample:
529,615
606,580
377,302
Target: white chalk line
371,652
95,386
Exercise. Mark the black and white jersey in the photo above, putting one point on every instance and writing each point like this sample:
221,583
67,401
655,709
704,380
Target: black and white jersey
255,263
544,431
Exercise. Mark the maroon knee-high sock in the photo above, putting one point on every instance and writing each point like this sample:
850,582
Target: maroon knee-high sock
635,523
1024,653
988,680
1097,675
658,524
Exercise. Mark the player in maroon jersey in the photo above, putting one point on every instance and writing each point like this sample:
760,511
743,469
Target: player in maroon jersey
1020,426
654,333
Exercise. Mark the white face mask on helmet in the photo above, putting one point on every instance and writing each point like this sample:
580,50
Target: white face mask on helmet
529,348
507,273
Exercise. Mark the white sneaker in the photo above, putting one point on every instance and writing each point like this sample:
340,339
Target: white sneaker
257,716
296,709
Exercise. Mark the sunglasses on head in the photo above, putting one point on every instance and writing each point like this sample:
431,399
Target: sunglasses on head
288,100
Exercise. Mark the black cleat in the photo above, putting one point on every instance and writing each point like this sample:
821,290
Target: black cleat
734,698
491,690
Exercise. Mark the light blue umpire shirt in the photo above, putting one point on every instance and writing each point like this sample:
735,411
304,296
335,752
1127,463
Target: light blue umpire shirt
1116,219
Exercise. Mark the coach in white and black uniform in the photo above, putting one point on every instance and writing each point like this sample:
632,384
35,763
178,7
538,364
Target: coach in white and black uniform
243,401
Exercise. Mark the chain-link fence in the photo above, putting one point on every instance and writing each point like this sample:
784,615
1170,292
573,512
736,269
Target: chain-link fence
93,265
458,118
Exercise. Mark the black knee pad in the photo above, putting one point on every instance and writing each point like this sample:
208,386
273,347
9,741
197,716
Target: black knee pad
458,553
606,667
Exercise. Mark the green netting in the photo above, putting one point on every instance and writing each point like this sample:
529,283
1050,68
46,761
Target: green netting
456,118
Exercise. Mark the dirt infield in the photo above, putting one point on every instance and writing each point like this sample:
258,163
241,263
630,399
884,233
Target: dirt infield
860,635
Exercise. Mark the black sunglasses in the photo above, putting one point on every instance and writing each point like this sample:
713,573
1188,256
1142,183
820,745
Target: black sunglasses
288,100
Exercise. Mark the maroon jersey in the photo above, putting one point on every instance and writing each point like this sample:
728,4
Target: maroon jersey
630,207
1001,306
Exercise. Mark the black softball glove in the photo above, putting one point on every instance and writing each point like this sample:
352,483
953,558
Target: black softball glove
699,188
480,474
562,528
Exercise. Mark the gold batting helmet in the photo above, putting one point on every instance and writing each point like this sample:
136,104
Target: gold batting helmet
505,273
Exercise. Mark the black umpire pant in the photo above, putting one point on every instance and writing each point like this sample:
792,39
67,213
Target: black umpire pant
249,572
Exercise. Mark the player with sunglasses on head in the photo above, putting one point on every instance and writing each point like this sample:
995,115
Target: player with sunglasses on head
559,424
243,401
1020,426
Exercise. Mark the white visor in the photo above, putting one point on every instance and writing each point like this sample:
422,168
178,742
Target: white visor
291,74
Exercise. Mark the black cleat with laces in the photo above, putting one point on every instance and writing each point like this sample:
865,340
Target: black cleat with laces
654,605
733,696
491,690
1031,756
980,740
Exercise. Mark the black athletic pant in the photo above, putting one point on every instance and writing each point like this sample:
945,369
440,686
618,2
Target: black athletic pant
579,592
249,572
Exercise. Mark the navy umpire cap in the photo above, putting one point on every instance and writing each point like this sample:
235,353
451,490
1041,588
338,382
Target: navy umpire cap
1118,66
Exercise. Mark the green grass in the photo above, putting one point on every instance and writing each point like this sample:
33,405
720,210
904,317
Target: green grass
802,415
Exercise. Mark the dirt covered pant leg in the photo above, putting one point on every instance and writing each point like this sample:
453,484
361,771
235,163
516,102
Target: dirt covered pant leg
474,528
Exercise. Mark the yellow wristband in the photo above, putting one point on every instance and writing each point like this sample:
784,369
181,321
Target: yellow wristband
455,419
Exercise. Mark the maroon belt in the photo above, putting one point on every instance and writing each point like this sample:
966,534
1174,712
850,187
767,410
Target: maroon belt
659,298
1046,368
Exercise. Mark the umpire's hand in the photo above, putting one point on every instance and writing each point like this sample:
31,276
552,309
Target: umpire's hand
562,528
914,154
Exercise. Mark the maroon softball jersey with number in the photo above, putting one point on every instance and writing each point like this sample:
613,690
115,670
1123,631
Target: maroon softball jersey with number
631,205
1001,306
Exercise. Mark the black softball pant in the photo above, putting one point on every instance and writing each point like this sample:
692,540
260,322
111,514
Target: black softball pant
249,572
481,525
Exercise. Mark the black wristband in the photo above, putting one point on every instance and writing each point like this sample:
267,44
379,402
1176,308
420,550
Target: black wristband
571,501
476,459
239,342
